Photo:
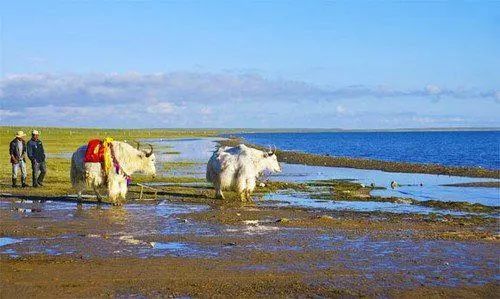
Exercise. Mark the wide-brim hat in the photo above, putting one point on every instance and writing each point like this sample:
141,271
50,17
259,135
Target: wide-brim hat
20,134
35,132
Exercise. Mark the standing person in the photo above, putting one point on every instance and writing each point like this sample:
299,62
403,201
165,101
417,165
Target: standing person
37,157
17,151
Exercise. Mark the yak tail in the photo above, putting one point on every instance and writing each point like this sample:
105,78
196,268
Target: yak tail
210,173
73,171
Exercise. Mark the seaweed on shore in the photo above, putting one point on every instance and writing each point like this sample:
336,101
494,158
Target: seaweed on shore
273,186
459,206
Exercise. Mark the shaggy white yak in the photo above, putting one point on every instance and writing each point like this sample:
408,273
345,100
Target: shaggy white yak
91,175
237,168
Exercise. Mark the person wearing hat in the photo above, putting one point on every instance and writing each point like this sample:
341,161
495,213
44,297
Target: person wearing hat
17,151
37,157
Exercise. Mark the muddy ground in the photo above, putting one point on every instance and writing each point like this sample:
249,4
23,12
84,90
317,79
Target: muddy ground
202,248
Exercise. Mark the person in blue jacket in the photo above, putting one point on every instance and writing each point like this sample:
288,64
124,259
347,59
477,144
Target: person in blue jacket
36,154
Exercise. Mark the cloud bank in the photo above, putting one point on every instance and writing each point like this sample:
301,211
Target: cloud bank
189,99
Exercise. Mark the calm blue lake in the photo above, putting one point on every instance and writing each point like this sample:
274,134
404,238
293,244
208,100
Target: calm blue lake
462,148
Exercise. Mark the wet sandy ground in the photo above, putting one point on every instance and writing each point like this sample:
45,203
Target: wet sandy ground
177,248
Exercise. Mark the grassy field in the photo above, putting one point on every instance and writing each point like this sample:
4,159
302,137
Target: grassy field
60,142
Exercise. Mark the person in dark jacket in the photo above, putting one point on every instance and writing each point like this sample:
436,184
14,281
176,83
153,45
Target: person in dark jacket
37,157
17,151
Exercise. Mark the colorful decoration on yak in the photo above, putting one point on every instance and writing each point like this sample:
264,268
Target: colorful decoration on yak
99,151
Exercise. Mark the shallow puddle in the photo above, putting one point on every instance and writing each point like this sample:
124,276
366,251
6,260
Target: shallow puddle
7,241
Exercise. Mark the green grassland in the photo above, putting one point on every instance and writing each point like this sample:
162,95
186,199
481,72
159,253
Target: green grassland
60,142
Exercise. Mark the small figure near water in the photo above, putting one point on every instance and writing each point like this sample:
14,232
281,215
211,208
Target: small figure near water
17,151
237,168
394,185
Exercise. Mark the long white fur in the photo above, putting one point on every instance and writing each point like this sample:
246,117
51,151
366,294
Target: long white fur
237,168
90,175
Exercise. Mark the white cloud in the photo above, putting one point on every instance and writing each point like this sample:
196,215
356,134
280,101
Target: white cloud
4,113
161,108
340,109
433,89
190,99
179,87
206,110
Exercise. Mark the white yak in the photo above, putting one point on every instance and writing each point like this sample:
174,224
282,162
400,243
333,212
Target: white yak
237,168
91,175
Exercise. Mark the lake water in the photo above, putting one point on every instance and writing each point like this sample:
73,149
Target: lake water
455,148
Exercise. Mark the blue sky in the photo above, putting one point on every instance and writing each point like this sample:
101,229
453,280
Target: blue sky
308,64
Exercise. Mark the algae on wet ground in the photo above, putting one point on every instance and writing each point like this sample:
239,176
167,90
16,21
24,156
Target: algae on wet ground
339,190
273,186
175,165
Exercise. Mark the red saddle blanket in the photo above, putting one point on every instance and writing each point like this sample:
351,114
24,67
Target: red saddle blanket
95,151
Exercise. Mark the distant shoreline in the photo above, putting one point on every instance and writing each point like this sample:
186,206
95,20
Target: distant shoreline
338,130
295,157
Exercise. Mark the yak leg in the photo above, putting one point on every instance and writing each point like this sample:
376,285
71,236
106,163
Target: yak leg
99,196
243,195
123,189
248,195
114,191
241,188
249,188
113,197
219,194
79,191
218,190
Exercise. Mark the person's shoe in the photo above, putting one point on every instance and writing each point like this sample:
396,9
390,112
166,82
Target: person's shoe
14,183
35,186
23,183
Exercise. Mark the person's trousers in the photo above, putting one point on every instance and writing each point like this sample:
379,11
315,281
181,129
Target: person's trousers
19,166
39,170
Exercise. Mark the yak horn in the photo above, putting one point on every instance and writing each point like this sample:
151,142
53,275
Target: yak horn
148,154
271,152
138,144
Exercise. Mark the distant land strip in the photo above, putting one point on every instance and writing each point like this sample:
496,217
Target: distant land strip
295,157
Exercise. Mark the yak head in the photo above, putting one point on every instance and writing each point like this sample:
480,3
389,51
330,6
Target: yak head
270,161
148,161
